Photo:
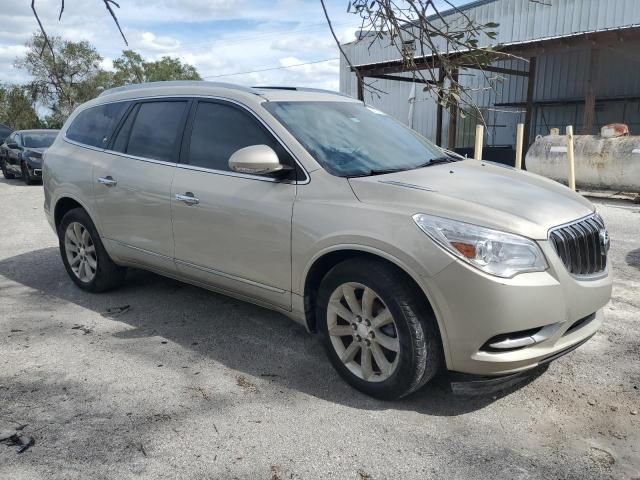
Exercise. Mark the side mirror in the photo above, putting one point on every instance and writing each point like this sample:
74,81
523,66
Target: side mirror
256,160
13,146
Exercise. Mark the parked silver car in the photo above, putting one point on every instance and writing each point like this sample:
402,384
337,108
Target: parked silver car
407,260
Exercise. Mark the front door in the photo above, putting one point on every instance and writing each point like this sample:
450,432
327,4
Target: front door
231,231
132,184
12,158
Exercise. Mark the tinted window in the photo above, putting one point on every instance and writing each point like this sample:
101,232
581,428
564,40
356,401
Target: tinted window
40,139
219,130
95,125
154,132
120,143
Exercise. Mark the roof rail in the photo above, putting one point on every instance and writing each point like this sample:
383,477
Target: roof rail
177,83
301,89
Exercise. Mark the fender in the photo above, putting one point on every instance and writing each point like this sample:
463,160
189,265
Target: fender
420,280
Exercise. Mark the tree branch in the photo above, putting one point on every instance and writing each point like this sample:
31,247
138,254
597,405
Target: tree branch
107,3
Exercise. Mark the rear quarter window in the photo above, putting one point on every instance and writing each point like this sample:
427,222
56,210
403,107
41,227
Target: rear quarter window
94,126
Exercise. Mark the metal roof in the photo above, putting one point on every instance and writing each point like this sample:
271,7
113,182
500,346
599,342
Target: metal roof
461,8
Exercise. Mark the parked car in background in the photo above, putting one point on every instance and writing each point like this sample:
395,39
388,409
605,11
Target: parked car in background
5,131
21,153
407,260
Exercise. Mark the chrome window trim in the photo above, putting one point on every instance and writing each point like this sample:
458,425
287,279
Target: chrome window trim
120,154
586,277
142,159
83,145
230,173
305,181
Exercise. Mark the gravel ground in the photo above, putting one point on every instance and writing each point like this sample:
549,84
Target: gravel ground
190,384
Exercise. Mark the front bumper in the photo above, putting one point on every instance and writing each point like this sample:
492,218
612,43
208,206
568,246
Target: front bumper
469,384
474,307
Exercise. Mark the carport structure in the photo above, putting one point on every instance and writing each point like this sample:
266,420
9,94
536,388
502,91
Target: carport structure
597,43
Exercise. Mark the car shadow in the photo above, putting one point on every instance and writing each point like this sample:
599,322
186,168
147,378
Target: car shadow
18,182
241,336
633,258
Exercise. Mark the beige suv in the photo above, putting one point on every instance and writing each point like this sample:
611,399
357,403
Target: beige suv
405,259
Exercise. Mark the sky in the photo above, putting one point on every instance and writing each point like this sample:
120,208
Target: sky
221,38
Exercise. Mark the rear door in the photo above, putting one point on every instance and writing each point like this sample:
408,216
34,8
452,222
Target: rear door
235,232
132,183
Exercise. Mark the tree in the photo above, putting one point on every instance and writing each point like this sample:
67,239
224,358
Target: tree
16,108
417,28
64,76
130,67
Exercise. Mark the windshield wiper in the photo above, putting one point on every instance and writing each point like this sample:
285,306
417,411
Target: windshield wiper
437,161
384,171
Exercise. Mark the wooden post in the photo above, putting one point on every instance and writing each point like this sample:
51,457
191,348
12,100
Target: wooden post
453,117
477,153
590,93
440,111
571,158
519,141
531,87
360,89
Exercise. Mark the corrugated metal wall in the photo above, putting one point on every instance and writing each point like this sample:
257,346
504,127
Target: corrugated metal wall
561,75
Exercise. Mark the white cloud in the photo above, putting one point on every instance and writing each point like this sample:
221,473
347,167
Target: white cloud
218,37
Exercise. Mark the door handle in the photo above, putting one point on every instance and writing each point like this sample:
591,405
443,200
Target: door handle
188,198
107,181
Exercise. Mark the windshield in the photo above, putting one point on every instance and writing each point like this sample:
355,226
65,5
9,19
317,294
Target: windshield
350,139
39,140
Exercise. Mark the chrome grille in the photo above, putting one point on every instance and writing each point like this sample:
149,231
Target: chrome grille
582,246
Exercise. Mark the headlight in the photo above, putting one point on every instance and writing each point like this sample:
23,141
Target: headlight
497,253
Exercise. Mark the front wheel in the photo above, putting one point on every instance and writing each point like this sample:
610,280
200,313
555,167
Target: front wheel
377,328
26,175
84,256
7,175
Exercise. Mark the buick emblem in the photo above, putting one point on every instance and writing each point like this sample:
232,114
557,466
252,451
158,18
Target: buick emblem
605,241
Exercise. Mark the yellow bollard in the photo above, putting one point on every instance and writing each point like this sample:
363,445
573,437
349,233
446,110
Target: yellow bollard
519,142
571,158
479,139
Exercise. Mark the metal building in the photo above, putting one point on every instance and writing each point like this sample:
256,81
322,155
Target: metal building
581,68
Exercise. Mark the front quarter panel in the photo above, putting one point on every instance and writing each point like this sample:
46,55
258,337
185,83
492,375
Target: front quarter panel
327,217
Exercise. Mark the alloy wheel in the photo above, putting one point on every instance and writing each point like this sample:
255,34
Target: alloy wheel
80,251
363,332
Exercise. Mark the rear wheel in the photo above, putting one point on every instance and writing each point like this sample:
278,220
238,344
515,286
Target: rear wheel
7,175
377,329
84,256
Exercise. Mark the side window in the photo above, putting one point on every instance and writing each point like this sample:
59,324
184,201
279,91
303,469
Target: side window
120,143
154,131
18,139
219,130
95,125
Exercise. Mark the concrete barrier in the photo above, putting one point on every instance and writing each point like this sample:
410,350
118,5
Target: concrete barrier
600,163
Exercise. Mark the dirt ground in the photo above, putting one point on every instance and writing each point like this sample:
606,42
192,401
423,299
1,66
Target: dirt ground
184,383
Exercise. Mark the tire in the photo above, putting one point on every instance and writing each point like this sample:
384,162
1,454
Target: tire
412,330
7,175
99,272
26,176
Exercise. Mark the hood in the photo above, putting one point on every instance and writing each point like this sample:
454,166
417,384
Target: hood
34,156
37,151
477,192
